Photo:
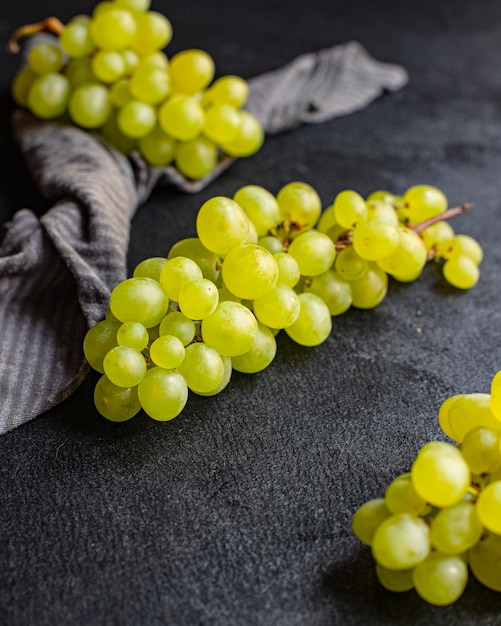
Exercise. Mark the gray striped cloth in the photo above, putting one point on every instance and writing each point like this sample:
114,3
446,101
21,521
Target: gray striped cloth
57,271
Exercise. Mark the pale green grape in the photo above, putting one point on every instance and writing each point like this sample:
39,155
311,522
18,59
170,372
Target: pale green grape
440,579
191,71
136,119
422,202
202,367
79,72
111,134
139,299
76,40
98,341
334,291
443,415
249,271
381,195
108,65
181,117
469,411
196,158
260,355
191,247
260,206
489,507
369,291
481,448
177,324
45,58
156,59
367,518
495,396
440,475
150,84
134,335
158,148
349,265
406,262
176,273
252,235
485,561
198,299
124,366
120,93
461,272
102,7
313,324
113,29
131,60
278,308
228,370
89,105
232,90
163,393
48,96
437,233
231,329
222,225
300,205
150,268
117,404
313,251
401,541
456,529
349,209
21,85
273,244
397,581
222,123
377,209
466,245
288,269
327,220
167,351
375,239
249,138
401,497
153,32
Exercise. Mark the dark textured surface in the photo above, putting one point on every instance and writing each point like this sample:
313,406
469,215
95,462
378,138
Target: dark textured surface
238,511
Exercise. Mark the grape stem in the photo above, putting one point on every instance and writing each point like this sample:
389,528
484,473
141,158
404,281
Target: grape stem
49,25
442,217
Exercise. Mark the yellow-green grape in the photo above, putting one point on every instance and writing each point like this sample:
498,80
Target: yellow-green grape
495,396
377,209
21,85
313,251
439,474
48,96
222,225
131,60
192,248
469,411
327,220
260,206
249,138
102,7
332,289
252,235
370,290
45,58
455,529
124,366
117,404
461,272
278,308
98,341
232,90
481,448
249,271
191,71
141,6
349,209
222,123
401,541
153,32
408,259
440,579
397,581
349,265
167,351
436,234
150,84
89,105
176,273
139,299
272,243
158,148
113,29
120,93
299,205
489,507
196,158
182,117
202,367
381,195
156,59
111,133
231,329
260,355
443,415
401,497
422,202
79,72
136,119
288,269
134,335
375,239
198,299
228,370
367,518
76,40
177,324
313,324
108,65
464,244
485,561
163,393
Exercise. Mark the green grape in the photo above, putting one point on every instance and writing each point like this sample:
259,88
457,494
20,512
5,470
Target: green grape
228,370
469,411
167,351
249,138
191,71
461,272
89,105
422,202
191,247
231,329
79,72
260,206
401,541
489,507
120,93
158,148
178,325
131,60
163,394
313,251
260,355
381,195
150,84
481,448
202,367
102,7
376,209
327,220
139,299
221,123
21,85
176,273
156,59
76,40
117,404
231,90
124,366
137,119
150,268
440,475
141,6
334,291
495,396
437,234
440,579
313,324
278,308
375,239
48,96
273,244
252,235
196,158
113,29
249,271
134,335
367,518
443,415
369,291
406,262
485,561
456,529
349,265
397,581
401,497
198,299
349,209
111,134
108,65
153,32
466,245
288,269
45,58
299,205
98,341
222,225
181,117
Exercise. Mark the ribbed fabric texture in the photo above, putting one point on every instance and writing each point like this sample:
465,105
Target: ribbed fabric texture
57,271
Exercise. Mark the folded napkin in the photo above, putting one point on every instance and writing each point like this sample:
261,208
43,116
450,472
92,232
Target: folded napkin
57,271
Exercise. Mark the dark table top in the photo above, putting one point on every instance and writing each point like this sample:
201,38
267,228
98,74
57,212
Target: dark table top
239,510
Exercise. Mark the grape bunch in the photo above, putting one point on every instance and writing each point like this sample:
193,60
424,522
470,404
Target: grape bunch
443,518
260,263
108,73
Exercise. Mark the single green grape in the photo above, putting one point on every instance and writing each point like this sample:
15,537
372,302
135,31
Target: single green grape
89,105
231,329
260,206
137,119
367,518
332,289
299,205
98,341
191,71
48,96
117,404
158,148
313,324
401,542
440,579
249,271
456,528
124,366
178,325
202,367
349,209
178,272
139,299
163,393
167,351
222,225
260,355
197,157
